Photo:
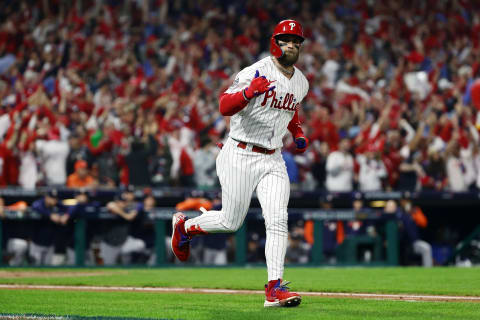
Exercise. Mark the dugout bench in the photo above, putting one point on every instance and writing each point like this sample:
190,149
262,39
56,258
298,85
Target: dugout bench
162,216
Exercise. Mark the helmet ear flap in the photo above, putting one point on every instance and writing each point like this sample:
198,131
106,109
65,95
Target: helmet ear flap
275,49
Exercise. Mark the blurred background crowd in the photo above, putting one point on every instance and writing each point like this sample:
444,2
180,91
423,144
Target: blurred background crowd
111,93
123,93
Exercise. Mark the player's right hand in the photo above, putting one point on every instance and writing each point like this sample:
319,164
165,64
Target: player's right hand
258,86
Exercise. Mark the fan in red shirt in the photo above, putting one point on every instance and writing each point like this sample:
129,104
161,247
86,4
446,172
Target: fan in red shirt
7,166
324,129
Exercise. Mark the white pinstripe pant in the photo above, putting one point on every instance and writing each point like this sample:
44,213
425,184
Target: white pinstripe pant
241,172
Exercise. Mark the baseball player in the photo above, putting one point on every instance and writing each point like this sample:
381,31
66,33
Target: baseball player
47,232
263,103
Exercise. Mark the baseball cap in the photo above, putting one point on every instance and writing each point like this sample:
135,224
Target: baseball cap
296,236
80,164
118,197
121,196
53,193
129,188
80,191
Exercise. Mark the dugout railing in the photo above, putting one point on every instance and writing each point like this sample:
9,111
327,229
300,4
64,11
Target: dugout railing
162,216
457,211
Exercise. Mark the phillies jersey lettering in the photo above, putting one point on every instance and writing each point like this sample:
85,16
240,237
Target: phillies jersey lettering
277,103
263,122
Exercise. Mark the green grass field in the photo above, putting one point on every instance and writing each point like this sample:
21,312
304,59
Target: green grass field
437,281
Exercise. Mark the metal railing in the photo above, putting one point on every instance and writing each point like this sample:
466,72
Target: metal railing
161,216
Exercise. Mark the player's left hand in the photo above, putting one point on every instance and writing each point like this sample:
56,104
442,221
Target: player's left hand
302,144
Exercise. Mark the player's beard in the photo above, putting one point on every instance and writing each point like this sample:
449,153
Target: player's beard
288,59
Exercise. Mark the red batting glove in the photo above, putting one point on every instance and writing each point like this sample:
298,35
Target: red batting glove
258,86
301,144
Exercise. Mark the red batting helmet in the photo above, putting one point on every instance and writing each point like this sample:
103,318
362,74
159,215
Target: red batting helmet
284,27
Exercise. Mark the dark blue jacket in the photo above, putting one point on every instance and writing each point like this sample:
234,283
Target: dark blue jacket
410,228
44,230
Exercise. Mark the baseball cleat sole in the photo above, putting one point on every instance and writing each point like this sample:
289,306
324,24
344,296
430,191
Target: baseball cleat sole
287,303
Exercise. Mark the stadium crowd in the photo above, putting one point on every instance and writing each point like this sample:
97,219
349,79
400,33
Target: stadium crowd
105,94
110,93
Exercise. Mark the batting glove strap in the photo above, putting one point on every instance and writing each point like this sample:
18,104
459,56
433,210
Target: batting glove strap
244,95
301,144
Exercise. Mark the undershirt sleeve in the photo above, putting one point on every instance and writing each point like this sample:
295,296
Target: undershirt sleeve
294,126
233,100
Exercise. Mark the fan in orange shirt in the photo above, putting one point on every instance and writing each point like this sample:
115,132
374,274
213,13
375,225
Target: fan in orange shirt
81,178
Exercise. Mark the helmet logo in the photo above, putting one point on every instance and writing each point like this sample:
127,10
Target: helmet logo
284,27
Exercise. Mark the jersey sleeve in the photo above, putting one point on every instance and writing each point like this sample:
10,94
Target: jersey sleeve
140,208
294,127
39,207
233,100
242,80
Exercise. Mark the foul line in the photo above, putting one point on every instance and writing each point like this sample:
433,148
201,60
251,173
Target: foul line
377,296
28,316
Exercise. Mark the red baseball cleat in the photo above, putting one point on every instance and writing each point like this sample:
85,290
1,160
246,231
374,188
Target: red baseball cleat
277,295
180,240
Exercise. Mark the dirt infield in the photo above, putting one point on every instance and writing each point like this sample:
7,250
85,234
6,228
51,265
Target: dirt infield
402,297
55,274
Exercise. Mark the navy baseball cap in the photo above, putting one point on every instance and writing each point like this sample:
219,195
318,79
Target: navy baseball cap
129,188
80,192
53,193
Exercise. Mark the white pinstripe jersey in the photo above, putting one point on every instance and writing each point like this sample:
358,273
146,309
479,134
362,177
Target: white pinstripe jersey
263,122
